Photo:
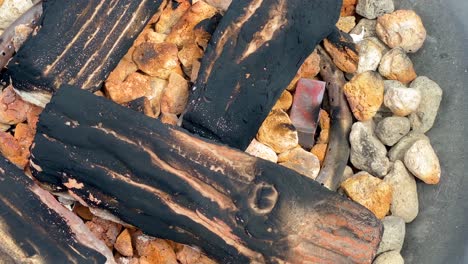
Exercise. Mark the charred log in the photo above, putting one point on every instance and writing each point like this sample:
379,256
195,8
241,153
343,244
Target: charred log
253,55
79,42
142,105
237,208
341,119
35,228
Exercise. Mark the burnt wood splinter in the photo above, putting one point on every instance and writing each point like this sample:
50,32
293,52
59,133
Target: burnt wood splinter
79,43
253,55
36,228
236,207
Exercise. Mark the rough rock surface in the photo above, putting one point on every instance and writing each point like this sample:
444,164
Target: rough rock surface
304,162
423,118
402,28
320,150
366,25
309,69
367,152
105,230
154,250
13,109
260,150
370,55
393,235
392,129
348,7
398,151
400,100
123,244
10,10
422,161
405,202
346,23
157,60
174,97
344,58
396,65
365,94
369,191
372,9
390,257
278,132
285,101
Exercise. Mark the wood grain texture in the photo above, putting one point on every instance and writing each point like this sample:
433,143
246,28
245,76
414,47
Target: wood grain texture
237,208
35,228
252,57
79,42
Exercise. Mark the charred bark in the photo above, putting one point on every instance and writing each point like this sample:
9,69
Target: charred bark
35,228
237,208
79,42
253,55
341,121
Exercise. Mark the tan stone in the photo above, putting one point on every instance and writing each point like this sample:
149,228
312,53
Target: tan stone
371,192
365,93
262,151
13,109
104,230
320,150
348,8
155,37
123,244
396,65
324,119
121,72
324,136
154,251
24,135
301,161
157,87
169,16
422,161
175,96
309,69
344,58
168,118
284,102
4,127
11,149
190,53
189,255
135,86
346,23
278,132
402,28
157,59
32,117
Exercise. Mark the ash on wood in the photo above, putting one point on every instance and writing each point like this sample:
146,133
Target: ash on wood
79,42
253,55
35,228
173,185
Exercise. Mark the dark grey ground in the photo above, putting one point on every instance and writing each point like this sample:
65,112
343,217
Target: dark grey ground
440,232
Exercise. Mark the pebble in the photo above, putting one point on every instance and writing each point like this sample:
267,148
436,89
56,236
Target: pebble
423,118
13,109
372,9
309,69
123,244
405,202
402,28
370,55
285,101
189,255
398,151
367,152
157,59
320,150
370,192
104,230
136,85
346,23
366,25
422,161
365,94
396,65
301,161
262,151
169,119
392,129
347,173
278,132
401,100
393,235
324,122
11,149
348,7
10,10
390,257
154,250
175,95
157,87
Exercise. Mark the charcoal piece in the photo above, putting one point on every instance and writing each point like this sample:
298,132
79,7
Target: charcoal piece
253,55
173,185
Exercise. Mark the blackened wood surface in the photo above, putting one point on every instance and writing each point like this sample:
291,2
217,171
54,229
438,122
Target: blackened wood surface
252,57
237,208
341,119
34,227
80,43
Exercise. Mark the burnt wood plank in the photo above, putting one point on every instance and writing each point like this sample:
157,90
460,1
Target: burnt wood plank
237,208
253,55
35,228
79,42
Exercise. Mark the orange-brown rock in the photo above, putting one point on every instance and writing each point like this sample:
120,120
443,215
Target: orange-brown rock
344,57
309,69
365,93
168,118
123,69
104,230
396,65
32,117
324,122
135,86
304,162
277,132
369,191
348,8
175,95
284,102
190,52
157,87
346,23
123,244
157,59
189,255
24,135
320,150
83,212
12,150
13,109
170,16
183,31
154,251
